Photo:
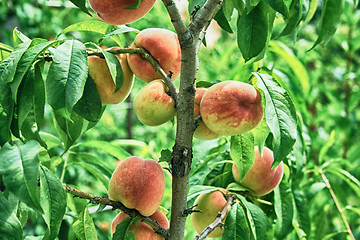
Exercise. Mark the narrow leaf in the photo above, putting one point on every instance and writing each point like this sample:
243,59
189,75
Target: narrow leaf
91,26
10,226
252,32
95,172
242,152
19,166
283,209
330,17
67,76
135,5
295,14
81,4
84,227
196,191
122,229
53,201
5,53
280,6
19,37
236,227
116,151
280,115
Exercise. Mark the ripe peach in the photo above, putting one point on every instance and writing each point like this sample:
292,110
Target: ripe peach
143,231
261,179
210,204
231,108
138,183
152,105
202,131
115,12
164,46
99,72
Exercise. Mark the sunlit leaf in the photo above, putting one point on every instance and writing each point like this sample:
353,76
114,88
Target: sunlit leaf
84,227
236,227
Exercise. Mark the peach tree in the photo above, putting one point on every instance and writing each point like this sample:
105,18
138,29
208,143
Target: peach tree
248,184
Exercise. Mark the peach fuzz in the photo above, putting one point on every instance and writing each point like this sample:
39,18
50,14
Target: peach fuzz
115,12
231,108
210,204
99,72
143,231
164,46
202,132
261,179
152,105
139,184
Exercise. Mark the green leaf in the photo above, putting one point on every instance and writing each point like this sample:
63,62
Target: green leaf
89,106
19,37
94,171
222,21
81,4
119,30
107,147
242,152
68,130
294,17
261,228
84,227
235,187
10,226
4,54
67,76
31,105
114,66
252,31
302,77
135,5
330,17
26,61
93,160
53,201
283,200
280,115
165,155
301,213
311,11
350,179
122,229
19,166
236,226
250,4
280,6
90,26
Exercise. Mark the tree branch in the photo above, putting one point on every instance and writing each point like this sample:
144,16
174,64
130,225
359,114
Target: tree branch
205,15
218,221
118,205
341,211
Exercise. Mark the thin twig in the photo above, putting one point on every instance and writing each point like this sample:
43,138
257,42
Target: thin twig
118,205
218,221
326,180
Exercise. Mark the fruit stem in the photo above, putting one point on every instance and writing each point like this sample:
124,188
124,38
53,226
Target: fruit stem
328,185
118,205
218,221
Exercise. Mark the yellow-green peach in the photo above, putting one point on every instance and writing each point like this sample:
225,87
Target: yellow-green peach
152,105
99,72
210,204
139,184
231,108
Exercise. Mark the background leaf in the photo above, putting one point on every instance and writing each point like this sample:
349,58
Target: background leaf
10,226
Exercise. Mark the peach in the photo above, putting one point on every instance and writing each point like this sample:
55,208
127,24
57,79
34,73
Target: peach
210,205
202,131
115,12
164,46
261,179
99,72
138,184
152,105
142,231
231,108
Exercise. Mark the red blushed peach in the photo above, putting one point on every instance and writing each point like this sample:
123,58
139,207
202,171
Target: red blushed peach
261,179
115,12
143,231
164,46
152,105
231,108
210,204
138,183
99,72
202,131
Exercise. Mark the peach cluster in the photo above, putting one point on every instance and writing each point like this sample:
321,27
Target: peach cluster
259,181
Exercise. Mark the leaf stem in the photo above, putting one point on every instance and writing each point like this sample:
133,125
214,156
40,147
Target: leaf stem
118,205
328,185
